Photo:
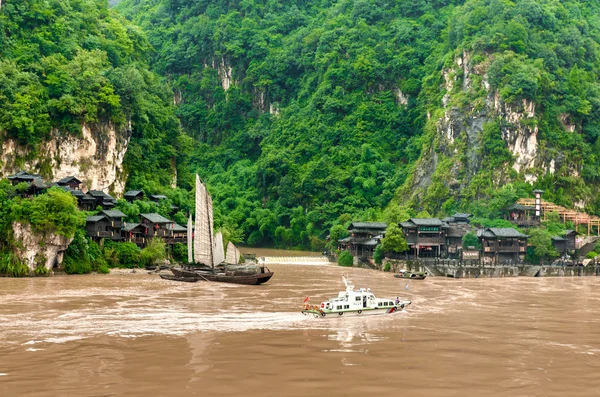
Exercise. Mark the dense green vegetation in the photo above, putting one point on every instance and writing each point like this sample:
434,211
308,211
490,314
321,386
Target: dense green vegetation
302,116
68,62
306,114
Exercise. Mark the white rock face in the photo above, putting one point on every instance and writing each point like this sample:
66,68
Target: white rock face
50,247
95,157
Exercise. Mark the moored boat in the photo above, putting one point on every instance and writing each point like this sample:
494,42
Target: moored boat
355,302
412,276
179,278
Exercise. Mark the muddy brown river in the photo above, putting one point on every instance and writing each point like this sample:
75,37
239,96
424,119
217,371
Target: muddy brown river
138,335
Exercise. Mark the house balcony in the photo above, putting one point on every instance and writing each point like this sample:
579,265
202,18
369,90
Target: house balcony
428,241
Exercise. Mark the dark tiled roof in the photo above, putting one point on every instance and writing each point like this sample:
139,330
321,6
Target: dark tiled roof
68,179
108,203
97,193
24,175
407,224
556,238
344,240
156,218
462,215
178,228
502,232
426,221
568,232
95,218
114,214
77,193
454,231
129,226
158,196
133,193
39,183
368,225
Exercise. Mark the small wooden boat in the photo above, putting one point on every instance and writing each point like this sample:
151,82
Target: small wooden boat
409,275
225,276
360,302
176,278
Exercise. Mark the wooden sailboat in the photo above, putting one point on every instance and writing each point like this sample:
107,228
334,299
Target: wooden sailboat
209,260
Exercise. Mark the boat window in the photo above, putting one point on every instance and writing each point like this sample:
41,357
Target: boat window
379,304
357,299
339,308
346,306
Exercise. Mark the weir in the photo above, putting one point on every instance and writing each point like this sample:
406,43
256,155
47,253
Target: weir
294,260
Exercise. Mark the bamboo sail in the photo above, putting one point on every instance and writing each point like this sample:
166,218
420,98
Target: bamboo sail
203,235
190,232
233,254
219,252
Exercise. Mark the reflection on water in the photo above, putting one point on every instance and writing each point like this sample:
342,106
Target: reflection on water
139,335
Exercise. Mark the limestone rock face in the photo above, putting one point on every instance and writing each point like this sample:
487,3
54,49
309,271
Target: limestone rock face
459,133
33,248
95,157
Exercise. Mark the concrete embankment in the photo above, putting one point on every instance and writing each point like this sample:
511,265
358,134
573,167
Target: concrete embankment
441,269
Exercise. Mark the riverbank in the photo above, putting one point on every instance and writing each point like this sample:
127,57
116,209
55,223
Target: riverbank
452,270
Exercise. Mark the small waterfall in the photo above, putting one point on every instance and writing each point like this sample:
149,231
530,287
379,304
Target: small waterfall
294,260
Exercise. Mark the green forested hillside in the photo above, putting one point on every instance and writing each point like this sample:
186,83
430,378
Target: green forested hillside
68,62
308,113
302,115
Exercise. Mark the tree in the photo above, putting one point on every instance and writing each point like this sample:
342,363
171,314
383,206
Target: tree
394,240
541,240
470,240
345,259
378,255
336,233
154,252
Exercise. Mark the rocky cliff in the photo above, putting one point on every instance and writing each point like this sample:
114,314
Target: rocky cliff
38,250
476,132
95,157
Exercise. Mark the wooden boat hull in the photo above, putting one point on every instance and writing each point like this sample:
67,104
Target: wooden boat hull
176,278
200,275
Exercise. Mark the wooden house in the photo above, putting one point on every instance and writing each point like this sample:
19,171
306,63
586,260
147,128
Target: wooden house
179,234
457,226
157,225
134,195
522,215
85,202
102,199
37,186
21,177
426,237
565,243
502,246
107,224
363,239
70,181
134,233
157,197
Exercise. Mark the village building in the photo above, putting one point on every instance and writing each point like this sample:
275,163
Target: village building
157,225
363,239
179,234
134,195
21,177
565,243
85,202
426,237
70,181
502,246
102,199
134,233
157,197
457,226
522,215
107,224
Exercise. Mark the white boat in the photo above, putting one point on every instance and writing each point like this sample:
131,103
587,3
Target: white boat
355,302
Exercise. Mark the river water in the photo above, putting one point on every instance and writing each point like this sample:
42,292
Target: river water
139,335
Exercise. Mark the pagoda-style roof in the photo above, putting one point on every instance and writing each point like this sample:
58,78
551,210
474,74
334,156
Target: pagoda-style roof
133,193
422,222
25,176
129,226
367,225
68,179
157,197
114,213
520,207
178,228
156,218
499,232
95,218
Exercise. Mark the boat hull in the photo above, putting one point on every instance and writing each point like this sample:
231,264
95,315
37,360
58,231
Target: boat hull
250,279
411,276
317,313
176,278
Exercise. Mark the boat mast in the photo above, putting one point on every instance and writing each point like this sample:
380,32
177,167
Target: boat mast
190,232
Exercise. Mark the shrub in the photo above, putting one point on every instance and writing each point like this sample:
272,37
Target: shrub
345,259
378,254
387,267
154,252
591,255
12,267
